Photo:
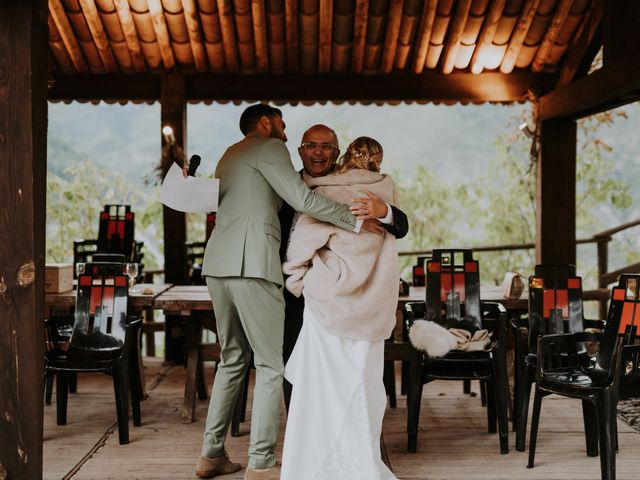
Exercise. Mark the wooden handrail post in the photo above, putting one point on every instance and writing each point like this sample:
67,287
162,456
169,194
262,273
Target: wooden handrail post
603,265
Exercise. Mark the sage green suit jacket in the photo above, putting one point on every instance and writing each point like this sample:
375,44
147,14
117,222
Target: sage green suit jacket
256,175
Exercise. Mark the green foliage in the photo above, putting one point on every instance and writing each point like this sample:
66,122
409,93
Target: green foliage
196,226
511,180
508,192
595,182
499,208
439,214
74,202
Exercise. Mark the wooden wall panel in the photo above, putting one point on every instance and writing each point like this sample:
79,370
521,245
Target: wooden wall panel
23,149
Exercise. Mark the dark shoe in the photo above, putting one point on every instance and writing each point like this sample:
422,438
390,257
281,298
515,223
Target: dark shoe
212,467
272,473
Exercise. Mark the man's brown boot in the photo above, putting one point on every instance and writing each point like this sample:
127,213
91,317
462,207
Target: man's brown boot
212,467
272,473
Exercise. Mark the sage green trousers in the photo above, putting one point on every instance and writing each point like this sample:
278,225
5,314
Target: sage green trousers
249,317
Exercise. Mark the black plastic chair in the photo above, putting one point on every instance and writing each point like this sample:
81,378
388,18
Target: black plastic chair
555,306
63,325
109,258
83,251
194,254
115,237
116,231
104,339
399,350
564,369
453,300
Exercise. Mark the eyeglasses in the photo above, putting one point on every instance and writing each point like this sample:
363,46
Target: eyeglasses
325,147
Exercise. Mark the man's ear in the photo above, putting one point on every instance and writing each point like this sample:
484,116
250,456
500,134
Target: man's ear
265,121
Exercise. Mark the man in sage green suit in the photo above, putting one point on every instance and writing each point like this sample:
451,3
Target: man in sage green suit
244,276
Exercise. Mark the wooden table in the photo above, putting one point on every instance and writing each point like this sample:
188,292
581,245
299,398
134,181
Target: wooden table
137,301
193,303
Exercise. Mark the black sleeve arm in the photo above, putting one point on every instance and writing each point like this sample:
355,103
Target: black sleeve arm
400,226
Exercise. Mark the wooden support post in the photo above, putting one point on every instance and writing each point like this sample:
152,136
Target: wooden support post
23,150
556,193
603,266
621,22
174,114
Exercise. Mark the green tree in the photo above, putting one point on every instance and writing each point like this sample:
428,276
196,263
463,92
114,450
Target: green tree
510,186
500,209
74,202
439,214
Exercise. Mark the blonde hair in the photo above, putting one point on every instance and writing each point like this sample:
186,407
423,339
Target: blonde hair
364,153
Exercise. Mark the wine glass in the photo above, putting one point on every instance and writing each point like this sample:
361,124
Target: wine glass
131,269
79,269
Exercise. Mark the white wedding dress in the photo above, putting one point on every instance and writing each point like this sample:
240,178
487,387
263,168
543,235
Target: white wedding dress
338,401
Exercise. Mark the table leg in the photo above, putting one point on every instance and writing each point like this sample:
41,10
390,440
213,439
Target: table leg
143,383
150,341
193,334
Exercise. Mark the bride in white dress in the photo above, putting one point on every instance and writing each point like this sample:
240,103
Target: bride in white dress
350,285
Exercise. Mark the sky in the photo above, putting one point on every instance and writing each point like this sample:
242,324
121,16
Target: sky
440,137
455,141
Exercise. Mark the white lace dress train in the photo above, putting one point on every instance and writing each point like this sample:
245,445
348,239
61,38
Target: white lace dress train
338,402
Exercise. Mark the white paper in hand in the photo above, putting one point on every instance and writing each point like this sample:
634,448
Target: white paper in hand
191,194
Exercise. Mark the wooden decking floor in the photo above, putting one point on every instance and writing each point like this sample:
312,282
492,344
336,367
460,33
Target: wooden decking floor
453,441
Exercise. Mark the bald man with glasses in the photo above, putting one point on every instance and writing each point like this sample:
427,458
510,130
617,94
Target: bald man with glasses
319,150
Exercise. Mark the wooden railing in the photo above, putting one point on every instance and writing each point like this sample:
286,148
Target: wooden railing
601,239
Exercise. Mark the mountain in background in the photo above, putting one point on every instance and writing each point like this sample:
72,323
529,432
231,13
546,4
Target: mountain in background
455,142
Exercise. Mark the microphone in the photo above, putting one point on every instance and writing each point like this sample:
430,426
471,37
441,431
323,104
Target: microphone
194,163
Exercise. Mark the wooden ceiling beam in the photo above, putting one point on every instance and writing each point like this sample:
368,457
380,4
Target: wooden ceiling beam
225,14
621,24
360,20
562,11
195,36
139,87
259,18
518,35
455,34
391,38
69,39
488,32
325,30
425,29
611,86
99,36
291,29
156,10
584,47
130,34
428,87
61,59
